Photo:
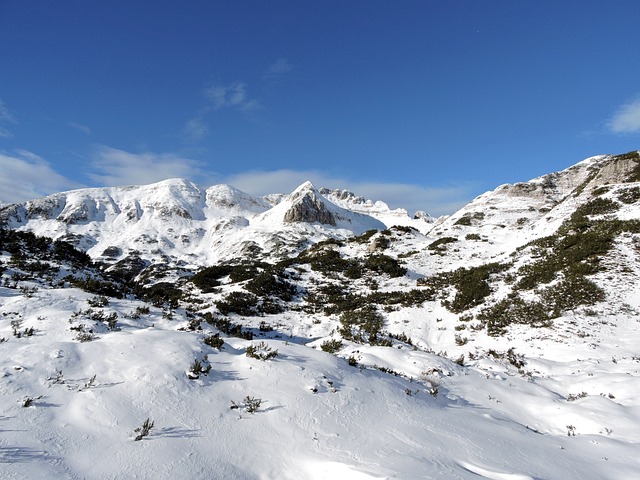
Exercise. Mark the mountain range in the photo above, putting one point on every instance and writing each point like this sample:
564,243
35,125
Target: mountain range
207,333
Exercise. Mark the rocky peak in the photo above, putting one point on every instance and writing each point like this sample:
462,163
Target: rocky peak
308,206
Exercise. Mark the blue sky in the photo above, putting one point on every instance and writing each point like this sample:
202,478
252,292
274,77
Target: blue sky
422,104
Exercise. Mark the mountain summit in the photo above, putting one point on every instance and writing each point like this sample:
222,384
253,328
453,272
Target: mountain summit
208,333
177,220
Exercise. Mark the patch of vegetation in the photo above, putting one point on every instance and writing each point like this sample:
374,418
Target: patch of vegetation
469,219
439,243
362,325
471,285
227,327
514,310
629,195
381,263
328,261
269,283
261,351
144,430
365,237
208,278
331,346
249,404
634,176
214,341
98,286
161,294
334,299
244,271
573,291
241,303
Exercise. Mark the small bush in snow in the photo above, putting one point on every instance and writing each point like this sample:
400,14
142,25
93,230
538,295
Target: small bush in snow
261,351
331,346
197,369
249,404
214,341
85,337
144,430
100,301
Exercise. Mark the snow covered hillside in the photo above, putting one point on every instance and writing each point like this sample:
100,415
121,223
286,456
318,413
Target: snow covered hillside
177,221
209,334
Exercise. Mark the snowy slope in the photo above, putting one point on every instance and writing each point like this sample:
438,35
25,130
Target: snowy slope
360,423
433,393
178,221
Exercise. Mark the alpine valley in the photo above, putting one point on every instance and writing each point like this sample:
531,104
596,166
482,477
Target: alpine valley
168,331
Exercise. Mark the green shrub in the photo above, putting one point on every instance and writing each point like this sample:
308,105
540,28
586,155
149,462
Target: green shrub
98,287
98,302
269,284
439,243
162,293
214,341
328,261
363,324
471,284
513,310
227,327
331,346
381,263
209,278
573,291
144,430
364,238
244,271
261,351
629,195
242,303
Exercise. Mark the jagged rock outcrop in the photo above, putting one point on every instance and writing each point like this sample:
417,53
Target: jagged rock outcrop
308,207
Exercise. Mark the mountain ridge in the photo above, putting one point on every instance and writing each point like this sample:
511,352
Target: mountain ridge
501,335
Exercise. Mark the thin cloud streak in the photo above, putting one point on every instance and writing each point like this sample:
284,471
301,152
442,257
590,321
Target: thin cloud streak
230,96
26,176
435,201
276,71
5,117
115,167
195,129
81,128
626,119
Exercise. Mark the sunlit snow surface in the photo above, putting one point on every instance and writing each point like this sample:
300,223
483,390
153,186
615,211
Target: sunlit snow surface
572,412
485,422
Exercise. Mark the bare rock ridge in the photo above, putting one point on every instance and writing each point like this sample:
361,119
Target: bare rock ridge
307,206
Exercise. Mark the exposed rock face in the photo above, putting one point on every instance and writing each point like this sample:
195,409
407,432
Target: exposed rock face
422,215
344,195
309,208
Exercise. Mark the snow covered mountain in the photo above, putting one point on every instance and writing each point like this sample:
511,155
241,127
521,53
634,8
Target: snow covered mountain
177,220
210,334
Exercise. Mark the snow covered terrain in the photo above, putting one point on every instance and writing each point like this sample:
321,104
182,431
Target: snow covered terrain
320,335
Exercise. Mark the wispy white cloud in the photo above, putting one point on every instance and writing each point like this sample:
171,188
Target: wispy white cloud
435,201
276,71
115,167
233,95
26,176
82,128
626,119
5,117
195,129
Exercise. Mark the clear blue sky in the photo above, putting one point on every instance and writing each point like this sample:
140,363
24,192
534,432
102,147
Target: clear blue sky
424,104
